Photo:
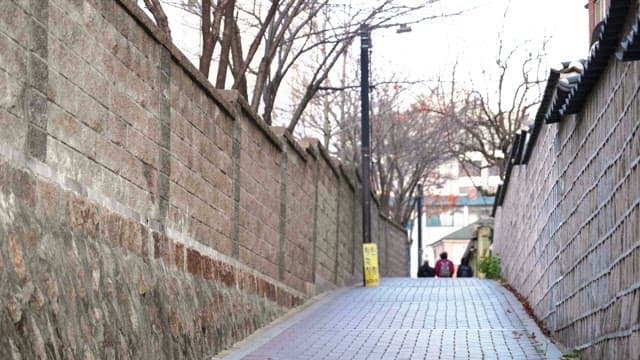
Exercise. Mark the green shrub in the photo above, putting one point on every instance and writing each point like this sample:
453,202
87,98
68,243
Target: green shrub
490,266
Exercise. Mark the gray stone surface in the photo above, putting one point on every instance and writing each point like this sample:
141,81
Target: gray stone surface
406,319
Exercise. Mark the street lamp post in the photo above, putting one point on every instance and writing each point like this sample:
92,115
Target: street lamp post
365,45
419,199
370,255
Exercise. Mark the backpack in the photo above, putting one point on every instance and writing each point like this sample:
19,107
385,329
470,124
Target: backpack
445,270
465,271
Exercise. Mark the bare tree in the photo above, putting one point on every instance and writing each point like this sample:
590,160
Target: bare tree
407,148
408,143
285,34
485,121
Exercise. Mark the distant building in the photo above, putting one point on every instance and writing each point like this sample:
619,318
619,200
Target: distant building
455,243
466,179
452,205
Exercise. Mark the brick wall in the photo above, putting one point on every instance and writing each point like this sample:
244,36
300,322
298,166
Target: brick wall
143,211
569,228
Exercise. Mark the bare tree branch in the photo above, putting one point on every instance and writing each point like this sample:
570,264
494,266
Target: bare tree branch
159,15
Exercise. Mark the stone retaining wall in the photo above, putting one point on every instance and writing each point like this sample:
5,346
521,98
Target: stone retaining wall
144,212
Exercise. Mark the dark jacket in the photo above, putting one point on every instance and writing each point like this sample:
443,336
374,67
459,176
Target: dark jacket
464,271
426,271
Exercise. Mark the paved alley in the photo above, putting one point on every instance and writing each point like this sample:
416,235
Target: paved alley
405,319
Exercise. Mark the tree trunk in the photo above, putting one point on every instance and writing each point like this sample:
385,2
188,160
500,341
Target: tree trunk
159,15
240,80
227,36
210,31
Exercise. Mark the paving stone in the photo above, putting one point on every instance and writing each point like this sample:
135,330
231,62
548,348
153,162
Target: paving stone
407,319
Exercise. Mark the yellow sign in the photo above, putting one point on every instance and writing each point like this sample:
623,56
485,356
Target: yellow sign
370,262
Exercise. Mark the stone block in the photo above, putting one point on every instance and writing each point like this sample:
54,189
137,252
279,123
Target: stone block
135,238
12,96
181,128
143,148
19,267
68,129
63,93
132,169
82,214
36,108
180,198
224,273
207,268
247,282
182,151
97,87
162,248
176,218
112,227
138,199
200,231
48,198
126,108
115,129
41,13
13,24
112,156
36,144
38,73
67,63
194,262
39,39
179,256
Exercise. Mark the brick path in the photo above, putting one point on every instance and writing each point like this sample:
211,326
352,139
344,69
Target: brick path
406,319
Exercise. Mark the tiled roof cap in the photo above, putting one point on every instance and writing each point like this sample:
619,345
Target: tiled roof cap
599,55
570,82
569,76
629,48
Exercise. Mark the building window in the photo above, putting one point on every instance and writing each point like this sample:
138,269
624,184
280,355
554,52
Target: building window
434,221
446,219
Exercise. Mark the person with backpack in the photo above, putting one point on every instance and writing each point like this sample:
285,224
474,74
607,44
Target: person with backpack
426,270
464,270
444,267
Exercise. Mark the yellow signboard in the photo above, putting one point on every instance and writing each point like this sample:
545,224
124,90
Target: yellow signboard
370,262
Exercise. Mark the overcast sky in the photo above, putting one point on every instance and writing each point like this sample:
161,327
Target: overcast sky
471,38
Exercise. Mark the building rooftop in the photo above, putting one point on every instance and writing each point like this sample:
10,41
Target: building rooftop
466,233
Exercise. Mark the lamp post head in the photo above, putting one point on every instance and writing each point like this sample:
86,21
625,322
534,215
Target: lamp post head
365,36
404,28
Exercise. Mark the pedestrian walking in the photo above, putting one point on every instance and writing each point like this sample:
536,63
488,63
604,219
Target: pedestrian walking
444,267
464,270
425,270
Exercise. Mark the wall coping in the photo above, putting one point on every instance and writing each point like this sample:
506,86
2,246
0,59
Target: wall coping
392,223
234,97
147,24
288,138
310,145
328,159
347,177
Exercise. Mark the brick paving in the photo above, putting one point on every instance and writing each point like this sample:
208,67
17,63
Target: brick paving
406,319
